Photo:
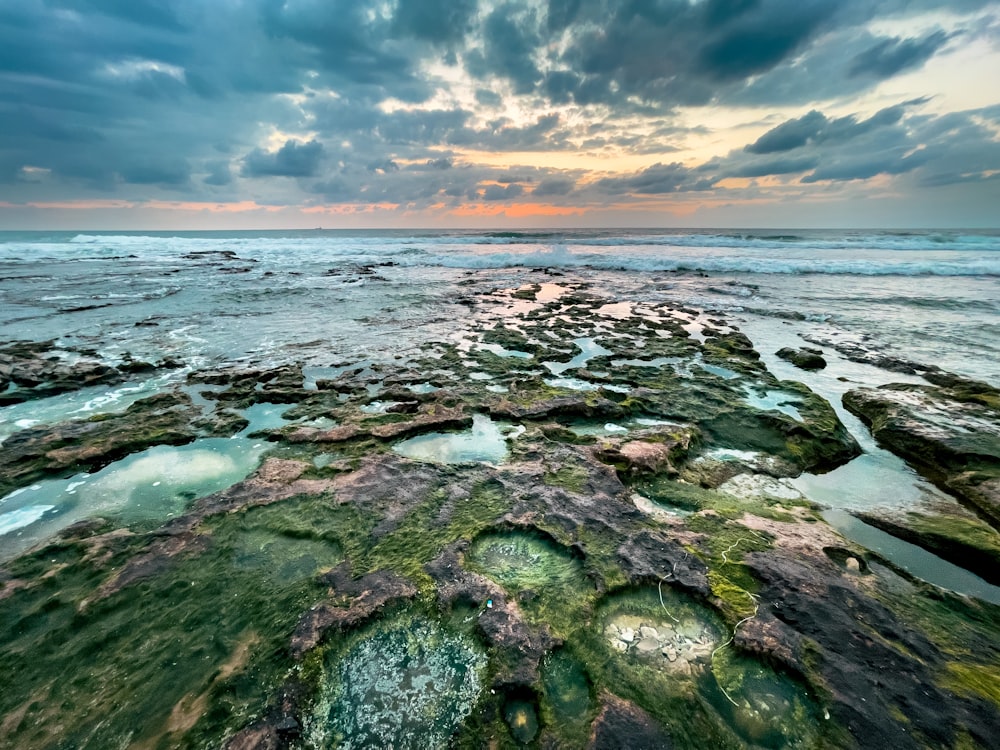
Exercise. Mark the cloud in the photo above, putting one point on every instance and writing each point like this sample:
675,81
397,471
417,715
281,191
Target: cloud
410,102
656,180
554,186
815,127
509,44
498,192
293,159
893,55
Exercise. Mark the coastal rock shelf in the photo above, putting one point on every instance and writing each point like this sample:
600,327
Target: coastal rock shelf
573,521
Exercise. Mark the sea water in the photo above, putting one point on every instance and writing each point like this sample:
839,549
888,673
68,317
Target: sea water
326,298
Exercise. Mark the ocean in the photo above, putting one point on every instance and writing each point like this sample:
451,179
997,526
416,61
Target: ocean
880,304
270,297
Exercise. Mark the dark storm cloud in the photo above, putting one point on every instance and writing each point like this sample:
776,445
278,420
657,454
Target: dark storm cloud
774,167
814,127
293,159
439,21
938,150
498,192
656,180
554,186
890,56
510,40
156,98
219,174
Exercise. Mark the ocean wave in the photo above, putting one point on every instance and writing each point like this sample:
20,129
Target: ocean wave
559,257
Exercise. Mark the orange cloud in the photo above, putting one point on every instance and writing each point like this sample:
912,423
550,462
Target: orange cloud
349,209
516,210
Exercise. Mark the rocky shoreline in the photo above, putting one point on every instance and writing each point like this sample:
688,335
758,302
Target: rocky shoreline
594,576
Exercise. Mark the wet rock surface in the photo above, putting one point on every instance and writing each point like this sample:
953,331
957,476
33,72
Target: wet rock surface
637,566
950,432
804,359
875,665
32,370
87,445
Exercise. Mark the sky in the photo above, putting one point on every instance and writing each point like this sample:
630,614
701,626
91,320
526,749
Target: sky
201,114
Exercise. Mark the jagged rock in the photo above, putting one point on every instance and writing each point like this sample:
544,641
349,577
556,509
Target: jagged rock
650,557
502,625
646,451
433,418
567,406
872,663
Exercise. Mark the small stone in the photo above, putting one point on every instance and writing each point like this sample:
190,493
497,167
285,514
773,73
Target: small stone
648,632
627,635
852,564
620,645
647,646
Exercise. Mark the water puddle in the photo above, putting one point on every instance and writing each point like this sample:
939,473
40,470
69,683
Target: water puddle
153,485
284,558
676,640
666,644
911,558
571,384
603,429
722,372
772,400
422,387
765,708
403,684
264,417
379,407
568,692
485,442
654,363
549,582
502,352
521,560
522,720
872,480
589,349
80,404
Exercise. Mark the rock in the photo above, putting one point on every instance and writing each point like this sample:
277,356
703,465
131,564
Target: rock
621,725
88,445
649,557
869,660
949,434
565,406
429,419
647,451
40,369
353,602
804,359
502,625
852,565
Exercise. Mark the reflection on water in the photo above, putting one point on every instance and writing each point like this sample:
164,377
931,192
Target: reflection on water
152,485
915,560
486,441
589,348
